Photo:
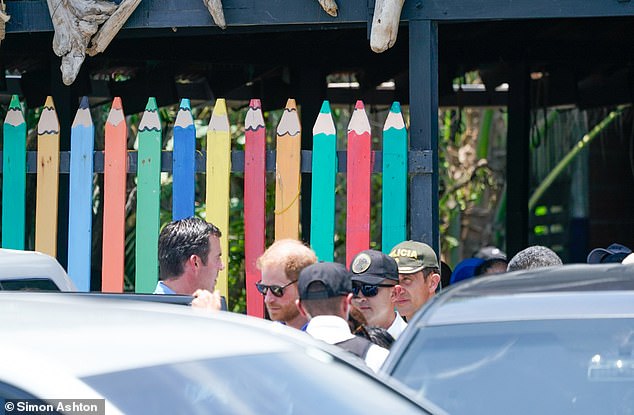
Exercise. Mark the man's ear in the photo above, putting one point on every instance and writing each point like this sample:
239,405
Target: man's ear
434,280
302,310
347,300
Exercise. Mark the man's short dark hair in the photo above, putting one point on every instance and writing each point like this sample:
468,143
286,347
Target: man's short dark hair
534,257
181,239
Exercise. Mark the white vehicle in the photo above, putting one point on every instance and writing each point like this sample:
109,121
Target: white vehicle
30,270
151,358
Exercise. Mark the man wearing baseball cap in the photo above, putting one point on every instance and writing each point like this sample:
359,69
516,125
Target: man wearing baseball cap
325,291
418,275
374,276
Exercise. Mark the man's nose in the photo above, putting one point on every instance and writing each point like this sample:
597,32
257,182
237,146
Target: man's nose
398,291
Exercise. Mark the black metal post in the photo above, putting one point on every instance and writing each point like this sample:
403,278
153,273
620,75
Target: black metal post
423,108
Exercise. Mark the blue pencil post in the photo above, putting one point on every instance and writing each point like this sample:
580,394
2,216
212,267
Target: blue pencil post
82,138
184,163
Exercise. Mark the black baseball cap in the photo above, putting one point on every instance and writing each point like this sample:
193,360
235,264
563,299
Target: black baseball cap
324,280
372,267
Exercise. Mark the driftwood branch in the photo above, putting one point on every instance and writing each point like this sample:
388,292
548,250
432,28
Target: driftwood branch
329,6
4,18
75,22
111,27
215,9
387,14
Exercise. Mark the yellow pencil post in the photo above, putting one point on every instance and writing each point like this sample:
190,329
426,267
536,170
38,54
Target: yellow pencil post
218,173
47,180
287,173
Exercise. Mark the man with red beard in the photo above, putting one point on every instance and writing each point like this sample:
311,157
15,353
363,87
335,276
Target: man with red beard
280,265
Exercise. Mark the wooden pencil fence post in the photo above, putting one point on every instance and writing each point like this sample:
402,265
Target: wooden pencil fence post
394,199
184,163
47,180
324,170
115,172
254,203
148,198
359,168
14,177
287,173
218,178
82,139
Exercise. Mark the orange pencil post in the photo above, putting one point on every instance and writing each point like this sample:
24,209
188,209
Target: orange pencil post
287,173
115,169
47,180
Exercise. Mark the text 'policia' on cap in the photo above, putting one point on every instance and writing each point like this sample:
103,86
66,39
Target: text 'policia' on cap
413,256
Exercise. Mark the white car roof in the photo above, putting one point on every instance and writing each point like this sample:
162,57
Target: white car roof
16,265
90,336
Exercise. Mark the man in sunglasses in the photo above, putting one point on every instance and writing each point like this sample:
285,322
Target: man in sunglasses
374,276
418,275
280,265
325,292
190,258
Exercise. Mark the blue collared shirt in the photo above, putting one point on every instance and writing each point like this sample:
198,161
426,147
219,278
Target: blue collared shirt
163,289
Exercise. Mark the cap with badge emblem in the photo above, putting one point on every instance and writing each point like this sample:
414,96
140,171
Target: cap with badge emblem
413,256
372,267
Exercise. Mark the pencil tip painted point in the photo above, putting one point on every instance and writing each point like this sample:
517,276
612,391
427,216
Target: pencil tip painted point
83,104
396,107
359,105
325,107
151,104
290,104
15,102
185,104
49,102
255,103
116,103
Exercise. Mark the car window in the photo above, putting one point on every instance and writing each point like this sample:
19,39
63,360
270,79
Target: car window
28,284
583,366
273,383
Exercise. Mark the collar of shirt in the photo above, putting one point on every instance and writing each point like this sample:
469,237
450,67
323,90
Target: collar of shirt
331,329
163,289
397,326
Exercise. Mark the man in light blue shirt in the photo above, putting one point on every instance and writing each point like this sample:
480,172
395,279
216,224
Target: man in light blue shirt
190,258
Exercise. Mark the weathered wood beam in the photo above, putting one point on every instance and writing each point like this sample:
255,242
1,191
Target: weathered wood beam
32,16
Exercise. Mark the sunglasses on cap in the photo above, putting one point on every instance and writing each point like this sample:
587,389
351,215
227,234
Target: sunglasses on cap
276,290
368,290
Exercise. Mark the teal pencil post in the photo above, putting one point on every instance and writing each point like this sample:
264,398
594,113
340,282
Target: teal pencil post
322,226
394,211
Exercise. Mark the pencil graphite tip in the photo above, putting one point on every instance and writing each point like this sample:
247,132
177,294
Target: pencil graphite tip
255,103
116,103
396,107
49,104
15,103
325,107
359,105
291,104
151,105
83,104
185,104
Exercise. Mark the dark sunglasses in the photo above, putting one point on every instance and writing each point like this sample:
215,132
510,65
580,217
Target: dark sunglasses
276,290
368,290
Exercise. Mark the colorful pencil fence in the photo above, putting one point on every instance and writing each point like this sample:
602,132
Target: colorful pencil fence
146,166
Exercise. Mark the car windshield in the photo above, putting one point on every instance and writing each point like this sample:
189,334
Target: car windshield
582,366
272,383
